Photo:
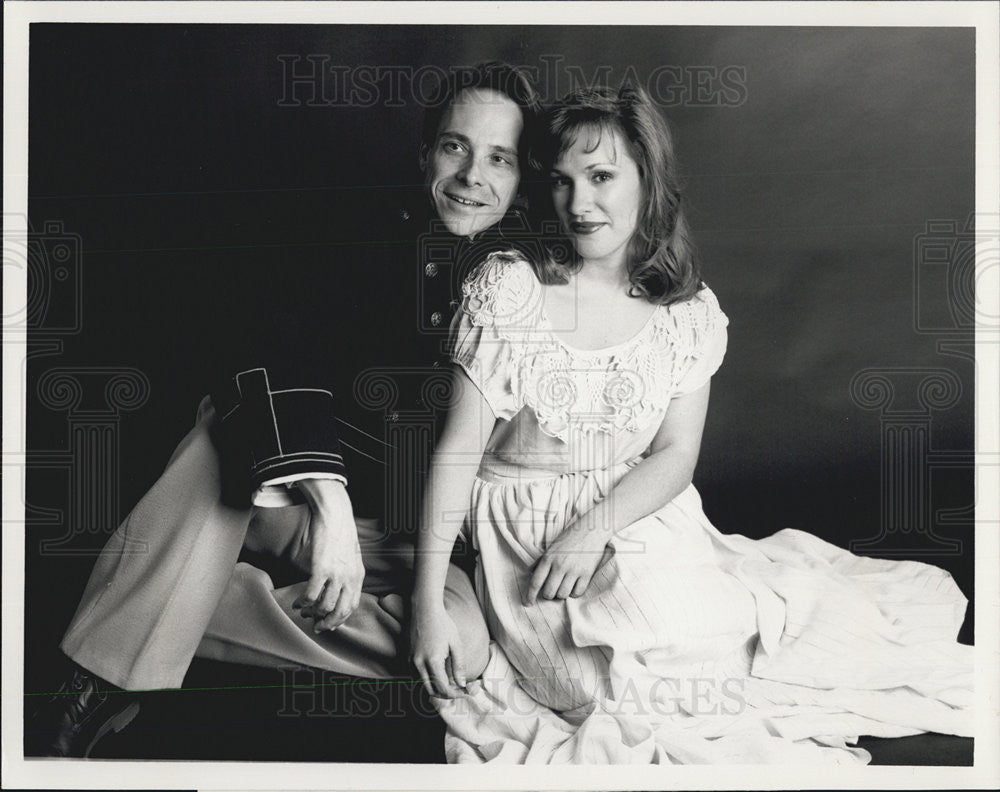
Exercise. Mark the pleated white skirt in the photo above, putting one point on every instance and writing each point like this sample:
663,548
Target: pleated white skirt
692,646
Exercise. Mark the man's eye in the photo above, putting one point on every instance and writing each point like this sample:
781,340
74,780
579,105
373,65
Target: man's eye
452,145
499,159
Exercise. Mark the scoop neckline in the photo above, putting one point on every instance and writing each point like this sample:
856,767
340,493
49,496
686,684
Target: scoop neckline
600,351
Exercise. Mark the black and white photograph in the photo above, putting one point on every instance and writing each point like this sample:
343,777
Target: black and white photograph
501,396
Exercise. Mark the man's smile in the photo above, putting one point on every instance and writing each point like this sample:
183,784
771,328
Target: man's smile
464,201
471,167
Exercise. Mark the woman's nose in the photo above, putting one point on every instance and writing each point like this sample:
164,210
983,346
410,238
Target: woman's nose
581,200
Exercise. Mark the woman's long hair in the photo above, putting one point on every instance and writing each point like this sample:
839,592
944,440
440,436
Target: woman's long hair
662,266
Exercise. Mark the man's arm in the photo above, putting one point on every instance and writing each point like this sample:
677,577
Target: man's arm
336,570
272,439
282,437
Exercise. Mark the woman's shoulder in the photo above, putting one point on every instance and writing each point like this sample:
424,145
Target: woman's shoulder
695,319
701,307
502,289
502,269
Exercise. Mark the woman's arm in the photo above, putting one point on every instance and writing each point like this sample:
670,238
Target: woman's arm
577,553
436,646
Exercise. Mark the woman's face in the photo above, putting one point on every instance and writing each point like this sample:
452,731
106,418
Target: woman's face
598,195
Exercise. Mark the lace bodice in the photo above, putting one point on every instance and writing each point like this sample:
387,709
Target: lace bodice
503,339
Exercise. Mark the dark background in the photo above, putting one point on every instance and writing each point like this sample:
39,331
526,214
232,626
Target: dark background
812,174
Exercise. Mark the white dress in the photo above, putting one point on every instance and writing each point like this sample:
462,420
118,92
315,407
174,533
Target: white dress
690,646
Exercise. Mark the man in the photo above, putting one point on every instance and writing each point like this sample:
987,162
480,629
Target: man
263,472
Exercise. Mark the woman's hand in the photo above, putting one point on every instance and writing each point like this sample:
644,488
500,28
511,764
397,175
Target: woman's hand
569,563
437,651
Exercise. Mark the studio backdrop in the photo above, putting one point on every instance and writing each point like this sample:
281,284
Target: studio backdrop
181,175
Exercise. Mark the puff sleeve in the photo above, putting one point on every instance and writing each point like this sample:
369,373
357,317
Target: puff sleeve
710,335
500,303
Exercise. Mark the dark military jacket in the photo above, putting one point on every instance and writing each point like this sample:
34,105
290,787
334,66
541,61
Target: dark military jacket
344,370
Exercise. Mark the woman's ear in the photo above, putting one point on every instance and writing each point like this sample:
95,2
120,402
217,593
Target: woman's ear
422,157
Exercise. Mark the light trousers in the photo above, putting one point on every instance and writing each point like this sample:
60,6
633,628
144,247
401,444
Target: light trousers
168,586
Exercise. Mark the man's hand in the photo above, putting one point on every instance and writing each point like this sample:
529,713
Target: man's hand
337,571
569,563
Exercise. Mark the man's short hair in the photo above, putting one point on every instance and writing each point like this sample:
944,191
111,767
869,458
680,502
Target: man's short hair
514,82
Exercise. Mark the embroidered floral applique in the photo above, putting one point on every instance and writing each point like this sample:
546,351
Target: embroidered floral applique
624,388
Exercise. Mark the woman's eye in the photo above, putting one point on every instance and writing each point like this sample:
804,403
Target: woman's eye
602,176
558,181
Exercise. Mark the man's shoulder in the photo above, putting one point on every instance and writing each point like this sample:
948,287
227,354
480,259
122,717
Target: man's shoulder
383,214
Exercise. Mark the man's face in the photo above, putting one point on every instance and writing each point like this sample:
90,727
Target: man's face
472,170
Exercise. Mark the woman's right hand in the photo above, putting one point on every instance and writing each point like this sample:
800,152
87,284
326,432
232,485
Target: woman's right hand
437,651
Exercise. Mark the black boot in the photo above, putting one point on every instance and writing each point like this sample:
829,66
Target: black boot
84,710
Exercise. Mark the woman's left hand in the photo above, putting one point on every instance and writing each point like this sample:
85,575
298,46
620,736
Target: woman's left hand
568,565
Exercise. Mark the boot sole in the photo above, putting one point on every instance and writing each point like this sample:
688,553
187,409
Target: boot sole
117,723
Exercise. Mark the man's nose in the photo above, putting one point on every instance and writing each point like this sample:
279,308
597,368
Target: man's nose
470,172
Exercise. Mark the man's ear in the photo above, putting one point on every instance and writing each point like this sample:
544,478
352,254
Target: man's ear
422,157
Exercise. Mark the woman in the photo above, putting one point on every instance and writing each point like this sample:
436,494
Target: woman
612,600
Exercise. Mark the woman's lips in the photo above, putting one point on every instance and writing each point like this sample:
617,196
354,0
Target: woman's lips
584,228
